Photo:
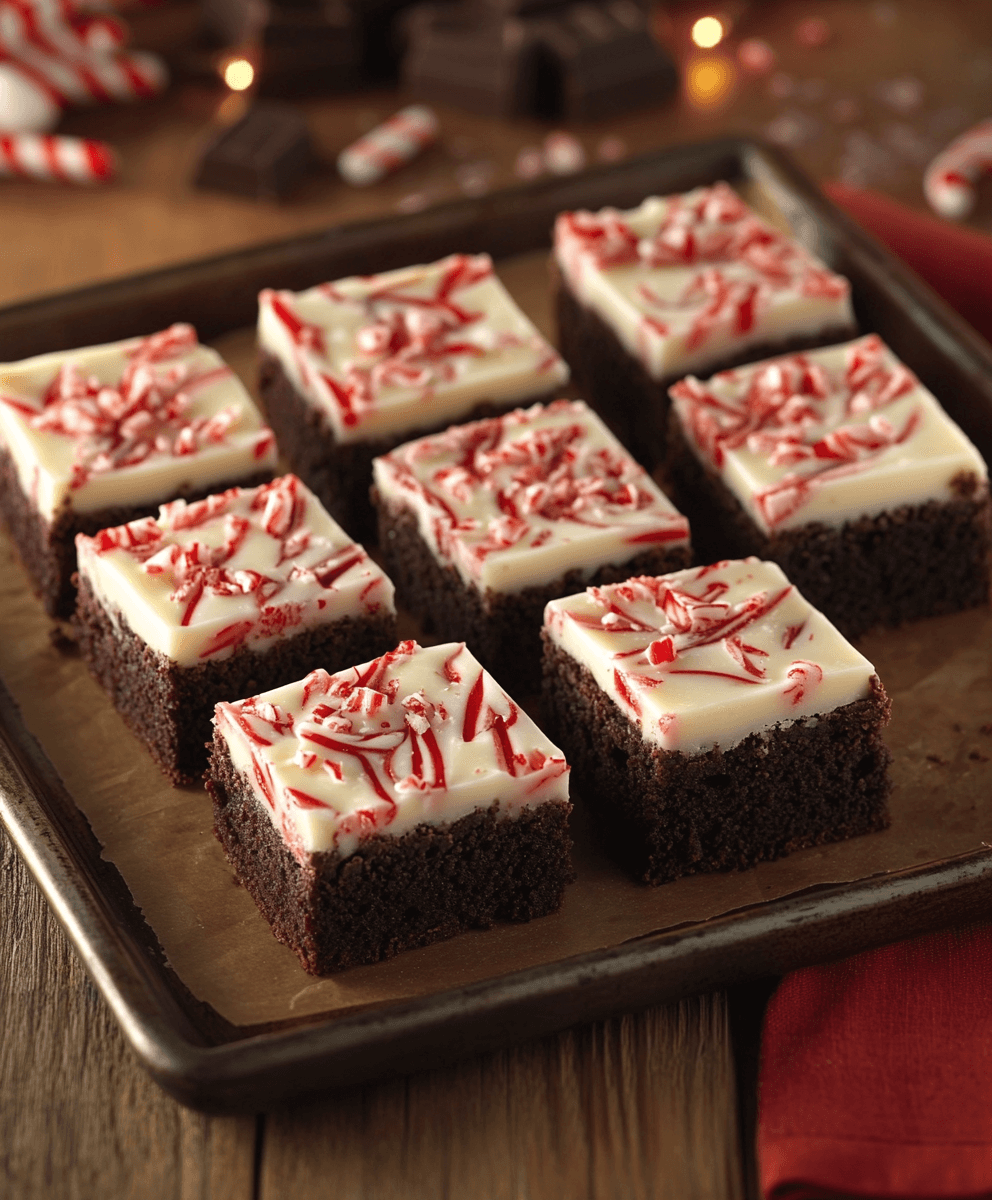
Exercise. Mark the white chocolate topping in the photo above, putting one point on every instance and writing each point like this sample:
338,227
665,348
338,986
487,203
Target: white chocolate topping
409,350
685,281
244,567
416,737
829,436
705,657
516,501
132,422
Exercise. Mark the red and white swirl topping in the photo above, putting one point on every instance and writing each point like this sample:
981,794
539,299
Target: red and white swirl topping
517,500
159,405
684,278
705,657
416,736
827,435
373,350
239,568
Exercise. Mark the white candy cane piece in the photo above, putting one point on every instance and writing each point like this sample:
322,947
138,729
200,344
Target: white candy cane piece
389,146
949,181
56,159
26,104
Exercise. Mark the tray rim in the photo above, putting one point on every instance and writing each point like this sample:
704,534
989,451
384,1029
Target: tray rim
248,1072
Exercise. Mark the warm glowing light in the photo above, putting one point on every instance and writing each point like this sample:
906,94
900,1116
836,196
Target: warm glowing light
239,74
707,32
708,80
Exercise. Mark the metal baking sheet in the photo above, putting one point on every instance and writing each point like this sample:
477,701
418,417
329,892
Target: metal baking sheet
217,1011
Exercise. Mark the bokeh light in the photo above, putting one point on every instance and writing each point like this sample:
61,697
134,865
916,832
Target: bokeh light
707,32
239,74
708,80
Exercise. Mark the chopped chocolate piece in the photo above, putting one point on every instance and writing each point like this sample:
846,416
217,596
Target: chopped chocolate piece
265,155
572,61
302,46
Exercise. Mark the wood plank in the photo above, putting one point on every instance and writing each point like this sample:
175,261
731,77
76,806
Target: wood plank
643,1106
78,1117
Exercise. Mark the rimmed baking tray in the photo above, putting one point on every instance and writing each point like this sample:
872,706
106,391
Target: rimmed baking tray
932,869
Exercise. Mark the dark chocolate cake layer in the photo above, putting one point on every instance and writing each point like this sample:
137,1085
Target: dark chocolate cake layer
169,707
916,561
503,630
340,474
616,384
393,893
48,549
663,814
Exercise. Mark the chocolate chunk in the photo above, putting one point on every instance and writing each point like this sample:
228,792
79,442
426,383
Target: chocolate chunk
265,155
511,58
309,46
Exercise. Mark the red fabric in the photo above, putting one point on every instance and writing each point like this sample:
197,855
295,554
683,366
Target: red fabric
876,1073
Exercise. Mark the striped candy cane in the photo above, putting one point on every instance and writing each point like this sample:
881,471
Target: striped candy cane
56,159
387,147
949,181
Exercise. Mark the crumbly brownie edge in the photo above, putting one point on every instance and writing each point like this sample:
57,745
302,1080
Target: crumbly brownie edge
617,385
169,707
916,561
48,549
663,814
394,893
340,474
502,629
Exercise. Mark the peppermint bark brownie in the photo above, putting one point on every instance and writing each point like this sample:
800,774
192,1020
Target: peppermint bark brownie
484,524
840,466
215,600
351,369
682,283
98,437
714,719
389,806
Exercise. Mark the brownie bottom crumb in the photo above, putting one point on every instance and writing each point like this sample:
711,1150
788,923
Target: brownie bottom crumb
663,814
394,893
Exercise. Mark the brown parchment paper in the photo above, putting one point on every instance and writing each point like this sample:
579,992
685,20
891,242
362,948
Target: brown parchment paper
938,673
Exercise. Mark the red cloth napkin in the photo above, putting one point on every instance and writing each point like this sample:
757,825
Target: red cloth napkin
876,1073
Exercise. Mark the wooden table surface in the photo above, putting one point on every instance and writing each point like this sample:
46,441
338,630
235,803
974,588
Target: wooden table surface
646,1105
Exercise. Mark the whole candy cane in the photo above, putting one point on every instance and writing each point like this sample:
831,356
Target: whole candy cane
56,159
949,181
387,147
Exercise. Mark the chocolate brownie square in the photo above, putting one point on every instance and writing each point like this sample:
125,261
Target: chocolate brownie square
390,806
353,368
682,283
215,600
714,719
101,436
842,468
482,525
